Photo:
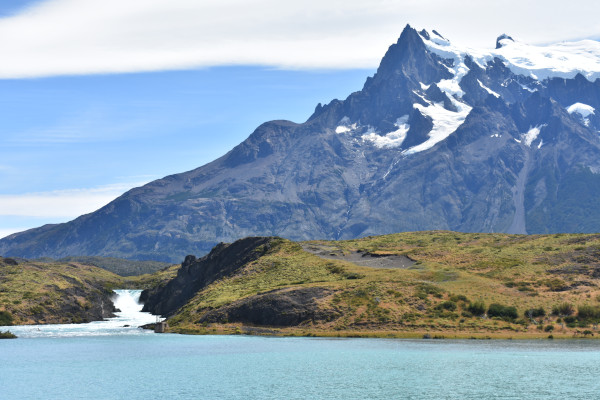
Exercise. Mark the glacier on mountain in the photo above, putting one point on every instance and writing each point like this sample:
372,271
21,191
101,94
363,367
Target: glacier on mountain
561,60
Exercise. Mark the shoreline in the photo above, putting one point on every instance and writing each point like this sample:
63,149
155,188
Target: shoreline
382,334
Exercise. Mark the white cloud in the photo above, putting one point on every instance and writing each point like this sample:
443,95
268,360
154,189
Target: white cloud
89,126
59,37
9,231
60,203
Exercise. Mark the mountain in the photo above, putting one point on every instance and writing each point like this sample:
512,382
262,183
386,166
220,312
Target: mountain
441,137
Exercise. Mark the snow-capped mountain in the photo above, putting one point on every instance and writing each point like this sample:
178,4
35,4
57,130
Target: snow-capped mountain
441,137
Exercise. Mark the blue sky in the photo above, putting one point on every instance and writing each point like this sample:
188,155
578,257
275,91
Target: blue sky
117,131
98,96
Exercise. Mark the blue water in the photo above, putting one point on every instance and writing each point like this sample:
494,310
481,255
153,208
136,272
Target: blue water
238,367
105,360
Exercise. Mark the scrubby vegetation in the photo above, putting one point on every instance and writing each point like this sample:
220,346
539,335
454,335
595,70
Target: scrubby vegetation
456,285
7,335
459,284
38,292
6,318
507,313
119,266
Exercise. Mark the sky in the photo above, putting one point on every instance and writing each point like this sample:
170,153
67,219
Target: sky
99,96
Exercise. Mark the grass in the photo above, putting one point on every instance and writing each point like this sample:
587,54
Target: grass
39,292
453,271
455,276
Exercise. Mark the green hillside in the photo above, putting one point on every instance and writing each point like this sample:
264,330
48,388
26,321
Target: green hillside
59,292
424,283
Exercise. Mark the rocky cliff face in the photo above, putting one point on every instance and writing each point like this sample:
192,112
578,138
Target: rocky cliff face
438,138
196,274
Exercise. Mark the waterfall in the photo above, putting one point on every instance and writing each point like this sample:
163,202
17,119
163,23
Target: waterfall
126,322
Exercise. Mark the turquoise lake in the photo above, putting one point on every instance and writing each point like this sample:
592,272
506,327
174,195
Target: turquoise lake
62,362
238,367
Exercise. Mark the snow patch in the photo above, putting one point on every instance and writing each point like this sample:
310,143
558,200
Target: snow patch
445,122
421,96
563,60
531,135
342,129
391,139
530,90
345,126
582,109
487,89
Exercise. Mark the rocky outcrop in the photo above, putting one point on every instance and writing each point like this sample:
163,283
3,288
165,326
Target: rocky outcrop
195,274
283,307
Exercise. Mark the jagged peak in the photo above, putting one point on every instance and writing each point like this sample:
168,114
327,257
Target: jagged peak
405,54
502,40
438,34
434,36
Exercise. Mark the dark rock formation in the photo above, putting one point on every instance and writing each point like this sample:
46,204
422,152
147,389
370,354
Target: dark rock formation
283,307
195,274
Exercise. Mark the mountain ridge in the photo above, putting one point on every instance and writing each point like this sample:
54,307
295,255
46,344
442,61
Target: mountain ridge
437,139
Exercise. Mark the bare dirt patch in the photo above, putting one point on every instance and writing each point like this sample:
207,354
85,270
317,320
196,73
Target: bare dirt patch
389,261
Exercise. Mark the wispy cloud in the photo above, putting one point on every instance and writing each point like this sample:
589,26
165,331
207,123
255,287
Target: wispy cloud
9,231
89,126
59,37
61,203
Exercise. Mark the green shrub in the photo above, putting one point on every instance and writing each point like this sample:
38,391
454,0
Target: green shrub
588,312
570,321
7,335
477,308
6,319
535,312
335,269
563,309
507,313
446,305
426,289
459,297
353,275
549,328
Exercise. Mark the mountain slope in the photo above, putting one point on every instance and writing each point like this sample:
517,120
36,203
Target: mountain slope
439,138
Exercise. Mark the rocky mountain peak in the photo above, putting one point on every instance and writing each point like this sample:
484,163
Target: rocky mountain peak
409,58
503,140
501,40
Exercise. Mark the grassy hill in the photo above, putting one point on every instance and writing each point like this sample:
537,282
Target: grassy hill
60,292
118,266
435,283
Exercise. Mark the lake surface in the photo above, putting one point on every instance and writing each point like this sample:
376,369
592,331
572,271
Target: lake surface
133,364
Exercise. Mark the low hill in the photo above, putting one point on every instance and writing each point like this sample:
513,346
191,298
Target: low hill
408,284
33,292
52,293
118,266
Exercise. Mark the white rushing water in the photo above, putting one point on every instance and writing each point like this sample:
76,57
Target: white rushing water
126,322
